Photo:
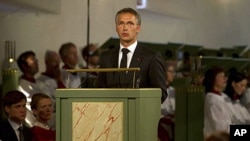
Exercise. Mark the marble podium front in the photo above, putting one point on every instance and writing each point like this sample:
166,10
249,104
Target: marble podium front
101,120
107,114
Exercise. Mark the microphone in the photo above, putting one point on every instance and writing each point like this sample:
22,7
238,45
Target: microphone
83,81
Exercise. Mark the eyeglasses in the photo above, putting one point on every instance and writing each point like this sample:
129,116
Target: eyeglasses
127,24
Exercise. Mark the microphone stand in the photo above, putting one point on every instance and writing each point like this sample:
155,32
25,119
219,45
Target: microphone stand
88,29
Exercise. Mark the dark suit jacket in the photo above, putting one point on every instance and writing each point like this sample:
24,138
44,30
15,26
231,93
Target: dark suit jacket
7,133
151,75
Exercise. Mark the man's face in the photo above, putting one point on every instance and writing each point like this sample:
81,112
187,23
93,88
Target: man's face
32,65
127,28
72,58
17,112
94,60
44,109
54,61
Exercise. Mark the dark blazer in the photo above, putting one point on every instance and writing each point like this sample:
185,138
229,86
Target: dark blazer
7,133
151,75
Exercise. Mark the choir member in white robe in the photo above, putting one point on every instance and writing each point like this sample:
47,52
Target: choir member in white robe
245,98
217,116
236,85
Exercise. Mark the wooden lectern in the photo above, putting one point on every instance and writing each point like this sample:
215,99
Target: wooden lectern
107,114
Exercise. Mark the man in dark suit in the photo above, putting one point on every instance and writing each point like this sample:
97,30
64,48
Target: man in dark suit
152,70
12,129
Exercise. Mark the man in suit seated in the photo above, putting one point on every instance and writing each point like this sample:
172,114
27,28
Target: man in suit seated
13,129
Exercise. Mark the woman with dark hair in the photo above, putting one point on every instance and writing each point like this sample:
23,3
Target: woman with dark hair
236,85
217,116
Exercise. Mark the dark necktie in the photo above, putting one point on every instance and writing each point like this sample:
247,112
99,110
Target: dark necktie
20,129
124,58
123,64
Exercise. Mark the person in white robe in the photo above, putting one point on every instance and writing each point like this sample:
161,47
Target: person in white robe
236,85
245,98
217,116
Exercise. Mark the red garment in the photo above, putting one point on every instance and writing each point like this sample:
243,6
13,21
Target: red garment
41,134
236,97
216,92
166,127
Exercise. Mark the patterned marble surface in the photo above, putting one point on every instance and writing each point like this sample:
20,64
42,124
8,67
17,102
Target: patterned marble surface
97,121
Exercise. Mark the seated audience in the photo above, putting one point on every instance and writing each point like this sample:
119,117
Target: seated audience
68,53
217,105
236,85
90,55
13,129
28,64
41,106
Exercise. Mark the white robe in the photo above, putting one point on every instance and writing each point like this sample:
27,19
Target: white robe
217,113
221,112
241,112
245,99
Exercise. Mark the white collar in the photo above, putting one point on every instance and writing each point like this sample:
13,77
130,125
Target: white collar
131,48
42,125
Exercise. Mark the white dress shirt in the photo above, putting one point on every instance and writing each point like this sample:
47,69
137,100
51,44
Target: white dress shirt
131,49
15,127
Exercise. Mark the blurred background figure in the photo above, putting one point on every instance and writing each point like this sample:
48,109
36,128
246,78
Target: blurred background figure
51,79
69,56
168,106
41,106
236,85
166,123
90,55
28,64
245,98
